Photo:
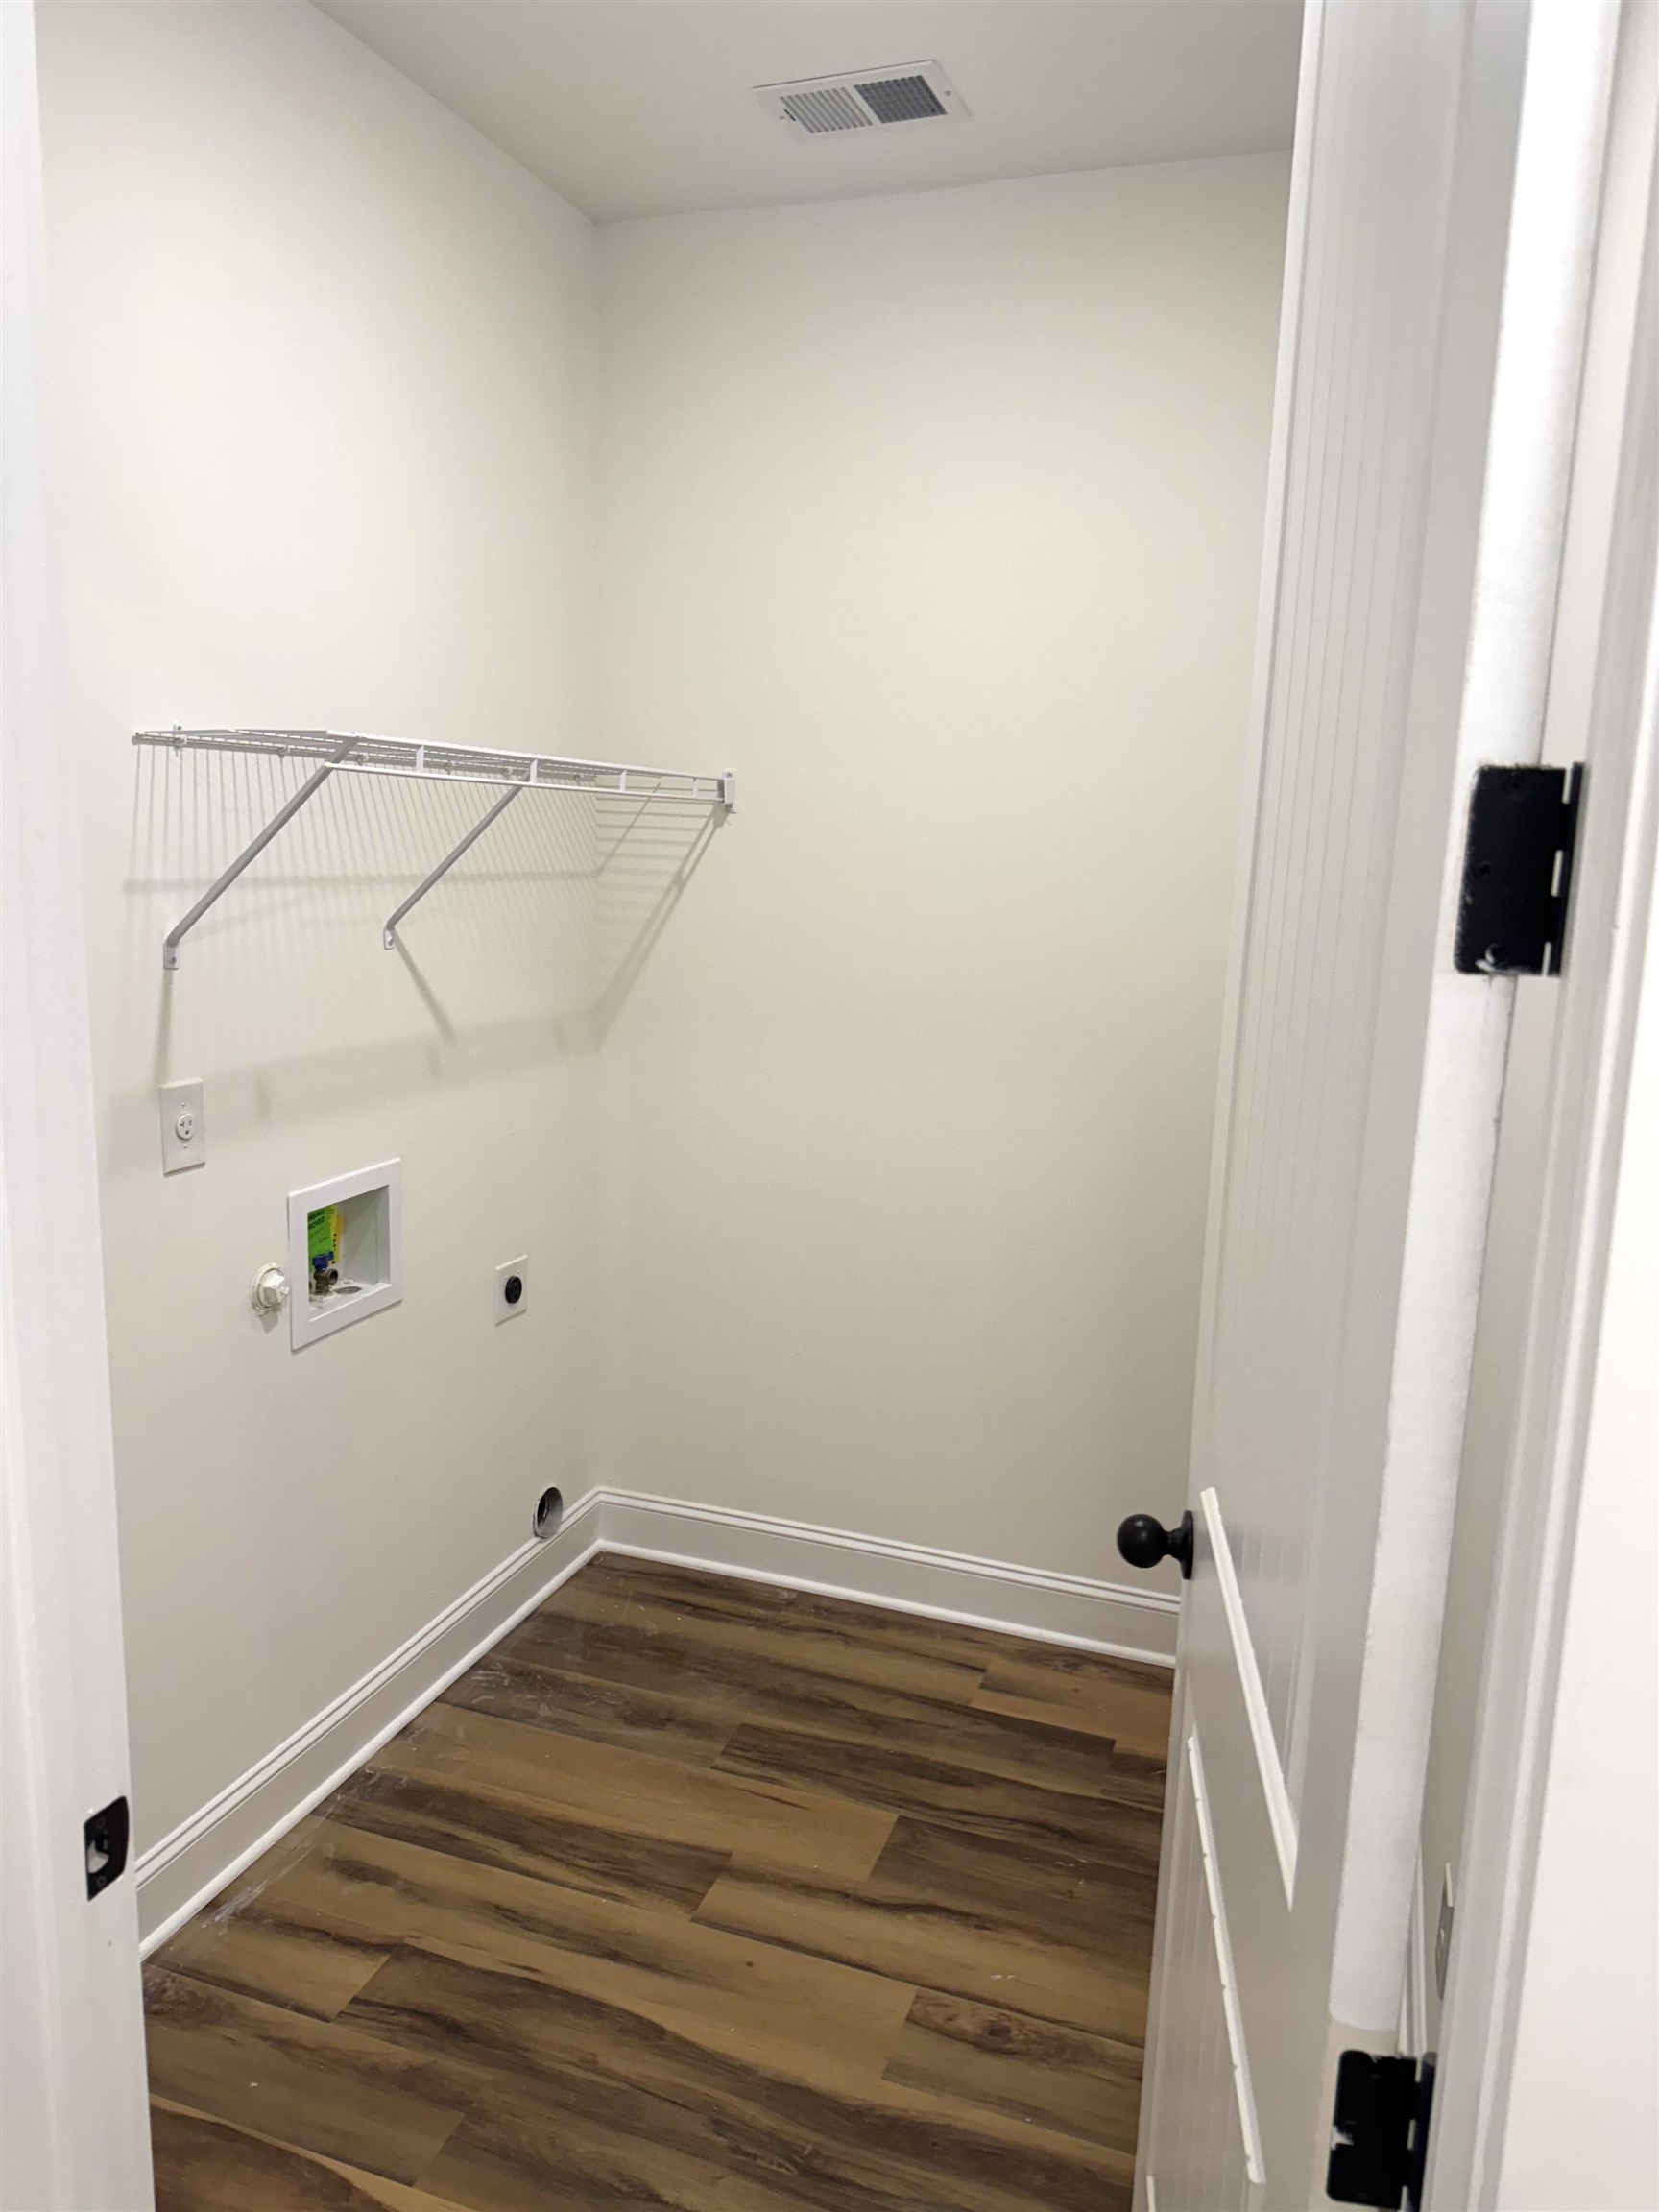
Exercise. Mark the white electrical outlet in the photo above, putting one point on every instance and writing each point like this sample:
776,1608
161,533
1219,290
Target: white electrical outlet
512,1289
184,1129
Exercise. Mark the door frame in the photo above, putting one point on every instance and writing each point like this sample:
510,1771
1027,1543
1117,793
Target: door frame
1561,1843
74,2128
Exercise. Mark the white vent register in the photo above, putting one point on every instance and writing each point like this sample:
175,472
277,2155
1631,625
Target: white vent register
863,99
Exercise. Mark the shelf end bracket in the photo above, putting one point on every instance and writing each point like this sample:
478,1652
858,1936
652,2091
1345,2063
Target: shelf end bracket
214,892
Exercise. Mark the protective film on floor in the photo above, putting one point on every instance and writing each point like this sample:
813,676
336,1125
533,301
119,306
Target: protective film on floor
700,1893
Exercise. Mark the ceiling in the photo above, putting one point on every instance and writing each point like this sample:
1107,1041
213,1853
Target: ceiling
646,107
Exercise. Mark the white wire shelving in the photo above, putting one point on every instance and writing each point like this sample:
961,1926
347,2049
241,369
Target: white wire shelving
357,753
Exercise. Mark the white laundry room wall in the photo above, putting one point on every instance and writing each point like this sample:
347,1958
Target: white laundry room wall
862,1156
326,396
938,518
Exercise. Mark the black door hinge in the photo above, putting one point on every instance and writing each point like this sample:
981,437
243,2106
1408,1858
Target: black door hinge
104,1838
1517,871
1380,2131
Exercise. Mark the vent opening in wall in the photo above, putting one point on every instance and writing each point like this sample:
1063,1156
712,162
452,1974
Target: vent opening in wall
862,100
549,1512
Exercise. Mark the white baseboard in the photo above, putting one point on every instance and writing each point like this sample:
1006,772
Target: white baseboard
182,1872
911,1577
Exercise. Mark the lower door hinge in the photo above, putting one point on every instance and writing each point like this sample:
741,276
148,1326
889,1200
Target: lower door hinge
1517,871
1380,2131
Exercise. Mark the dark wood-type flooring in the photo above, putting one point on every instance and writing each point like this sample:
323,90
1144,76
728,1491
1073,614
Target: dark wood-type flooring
698,1893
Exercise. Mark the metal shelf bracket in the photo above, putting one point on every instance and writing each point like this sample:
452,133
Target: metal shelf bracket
389,933
214,892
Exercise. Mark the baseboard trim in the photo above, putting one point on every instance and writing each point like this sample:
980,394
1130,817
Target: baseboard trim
186,1870
1032,1601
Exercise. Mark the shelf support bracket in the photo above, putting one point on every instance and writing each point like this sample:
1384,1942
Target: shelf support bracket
389,934
278,822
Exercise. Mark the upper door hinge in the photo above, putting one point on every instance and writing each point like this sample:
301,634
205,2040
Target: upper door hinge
1518,870
1380,2131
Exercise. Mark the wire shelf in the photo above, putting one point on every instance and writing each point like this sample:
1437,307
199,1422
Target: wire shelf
358,752
362,753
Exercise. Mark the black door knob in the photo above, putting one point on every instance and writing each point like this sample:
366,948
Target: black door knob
1144,1542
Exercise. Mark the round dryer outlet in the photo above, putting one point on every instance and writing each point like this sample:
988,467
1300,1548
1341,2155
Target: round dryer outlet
512,1289
549,1512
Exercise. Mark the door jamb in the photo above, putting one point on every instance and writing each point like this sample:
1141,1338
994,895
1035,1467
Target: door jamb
1578,1422
74,2133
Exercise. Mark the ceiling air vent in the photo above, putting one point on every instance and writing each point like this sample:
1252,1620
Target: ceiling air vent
862,100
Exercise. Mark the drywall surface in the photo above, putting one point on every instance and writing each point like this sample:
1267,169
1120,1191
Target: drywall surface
939,519
325,390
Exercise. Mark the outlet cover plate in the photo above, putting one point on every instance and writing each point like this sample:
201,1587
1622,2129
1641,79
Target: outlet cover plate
511,1271
180,1112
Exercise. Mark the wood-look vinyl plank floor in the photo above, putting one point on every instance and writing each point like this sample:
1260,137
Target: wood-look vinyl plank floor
635,1793
817,2133
984,1804
834,1636
207,2165
327,2087
269,1960
910,1929
715,1692
523,1837
1101,1697
575,1702
380,1891
1083,2085
698,1893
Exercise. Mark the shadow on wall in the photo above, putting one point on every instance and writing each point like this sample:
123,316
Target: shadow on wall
524,954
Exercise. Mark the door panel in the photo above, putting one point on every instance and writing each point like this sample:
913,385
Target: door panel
1218,2162
1358,443
1443,216
1241,1667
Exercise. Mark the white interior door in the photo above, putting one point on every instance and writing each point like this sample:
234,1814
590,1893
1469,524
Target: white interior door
1444,211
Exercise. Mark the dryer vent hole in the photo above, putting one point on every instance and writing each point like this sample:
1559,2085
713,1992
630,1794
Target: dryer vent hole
549,1512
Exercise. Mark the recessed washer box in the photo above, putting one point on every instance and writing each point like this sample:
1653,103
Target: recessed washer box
358,1221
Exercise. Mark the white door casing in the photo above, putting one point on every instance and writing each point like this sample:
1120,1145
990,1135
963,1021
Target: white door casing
1551,2003
73,2121
1444,209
